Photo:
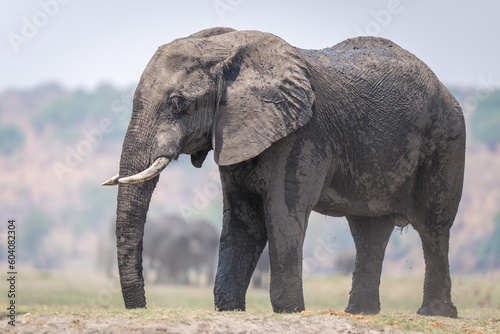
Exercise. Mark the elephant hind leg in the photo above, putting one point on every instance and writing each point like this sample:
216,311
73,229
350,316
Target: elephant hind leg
371,235
434,230
439,188
437,283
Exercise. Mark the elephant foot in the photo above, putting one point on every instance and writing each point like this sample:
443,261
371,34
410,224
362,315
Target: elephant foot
287,302
229,308
364,305
288,309
229,294
438,307
222,304
225,302
363,308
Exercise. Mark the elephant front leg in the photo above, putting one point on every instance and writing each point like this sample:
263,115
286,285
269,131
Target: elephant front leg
371,235
294,189
286,236
242,240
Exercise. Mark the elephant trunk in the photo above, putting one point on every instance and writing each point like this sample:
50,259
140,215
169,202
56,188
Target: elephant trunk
133,204
147,150
132,208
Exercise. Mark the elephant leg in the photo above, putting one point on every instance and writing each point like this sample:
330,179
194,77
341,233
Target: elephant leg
286,238
437,283
437,197
242,240
298,176
371,235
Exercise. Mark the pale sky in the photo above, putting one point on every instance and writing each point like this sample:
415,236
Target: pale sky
82,43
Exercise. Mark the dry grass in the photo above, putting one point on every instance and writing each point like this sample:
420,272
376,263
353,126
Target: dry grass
49,293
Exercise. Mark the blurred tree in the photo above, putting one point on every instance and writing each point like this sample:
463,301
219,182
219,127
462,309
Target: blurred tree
11,139
96,211
458,92
34,227
485,121
68,113
489,252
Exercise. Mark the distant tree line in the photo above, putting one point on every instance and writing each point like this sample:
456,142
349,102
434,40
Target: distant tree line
11,139
489,252
68,113
485,121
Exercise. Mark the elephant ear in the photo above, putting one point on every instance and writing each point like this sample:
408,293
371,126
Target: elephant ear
267,95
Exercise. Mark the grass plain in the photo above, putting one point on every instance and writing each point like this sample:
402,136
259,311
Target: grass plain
49,293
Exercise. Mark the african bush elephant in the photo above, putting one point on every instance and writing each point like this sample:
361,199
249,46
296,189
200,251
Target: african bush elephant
204,257
175,247
261,270
362,129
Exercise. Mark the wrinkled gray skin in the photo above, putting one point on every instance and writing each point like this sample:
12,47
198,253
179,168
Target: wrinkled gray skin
363,129
174,247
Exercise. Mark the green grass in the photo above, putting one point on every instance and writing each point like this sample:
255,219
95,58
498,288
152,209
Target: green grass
48,293
474,321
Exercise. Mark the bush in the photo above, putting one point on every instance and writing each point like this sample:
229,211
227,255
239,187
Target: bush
485,121
34,227
11,139
489,252
77,107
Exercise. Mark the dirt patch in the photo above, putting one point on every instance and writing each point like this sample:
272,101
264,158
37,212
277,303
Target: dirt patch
215,323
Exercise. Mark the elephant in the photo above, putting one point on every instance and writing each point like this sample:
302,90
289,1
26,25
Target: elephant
106,250
261,270
204,257
175,247
344,262
166,246
363,130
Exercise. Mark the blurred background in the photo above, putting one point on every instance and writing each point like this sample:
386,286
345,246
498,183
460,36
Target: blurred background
68,70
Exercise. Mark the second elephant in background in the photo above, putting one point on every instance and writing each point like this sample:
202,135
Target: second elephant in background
260,277
180,252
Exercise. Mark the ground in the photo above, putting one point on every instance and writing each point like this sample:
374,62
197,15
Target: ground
54,302
168,320
207,323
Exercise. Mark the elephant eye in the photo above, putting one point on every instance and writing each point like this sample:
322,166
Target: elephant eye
178,103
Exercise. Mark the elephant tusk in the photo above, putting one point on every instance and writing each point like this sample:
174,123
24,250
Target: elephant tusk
147,174
112,181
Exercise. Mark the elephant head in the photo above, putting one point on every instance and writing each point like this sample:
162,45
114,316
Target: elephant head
235,92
